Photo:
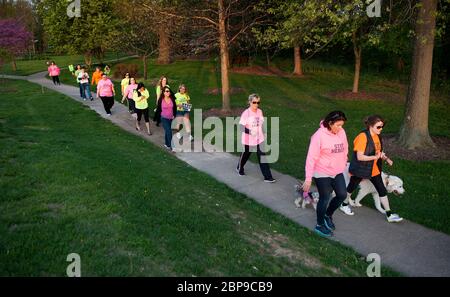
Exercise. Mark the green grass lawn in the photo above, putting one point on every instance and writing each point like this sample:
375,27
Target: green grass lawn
72,182
300,103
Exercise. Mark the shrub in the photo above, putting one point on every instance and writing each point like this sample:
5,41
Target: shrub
121,69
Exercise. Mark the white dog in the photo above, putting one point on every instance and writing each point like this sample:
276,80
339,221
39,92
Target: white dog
302,201
392,183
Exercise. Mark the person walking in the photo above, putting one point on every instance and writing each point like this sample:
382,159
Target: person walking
184,106
251,126
124,83
96,76
54,71
75,74
165,113
140,97
106,92
83,80
162,83
325,164
367,163
128,94
107,70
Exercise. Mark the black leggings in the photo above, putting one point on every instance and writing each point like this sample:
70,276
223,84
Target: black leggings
325,186
264,166
56,80
108,103
141,112
377,181
131,105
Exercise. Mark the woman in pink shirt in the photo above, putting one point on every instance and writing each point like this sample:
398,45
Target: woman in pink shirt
106,92
54,72
325,163
128,94
251,124
165,113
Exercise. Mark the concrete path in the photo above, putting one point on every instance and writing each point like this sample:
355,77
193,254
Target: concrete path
406,247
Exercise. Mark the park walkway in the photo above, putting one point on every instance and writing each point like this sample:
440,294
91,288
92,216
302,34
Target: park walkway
406,247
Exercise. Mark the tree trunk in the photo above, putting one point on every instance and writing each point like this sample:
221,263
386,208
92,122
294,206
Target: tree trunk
88,60
14,65
144,60
224,58
164,47
268,58
358,51
414,132
298,61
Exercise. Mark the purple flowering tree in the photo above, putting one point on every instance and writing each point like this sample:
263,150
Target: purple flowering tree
14,40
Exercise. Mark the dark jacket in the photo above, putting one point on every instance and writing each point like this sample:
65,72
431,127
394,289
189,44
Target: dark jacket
157,117
363,169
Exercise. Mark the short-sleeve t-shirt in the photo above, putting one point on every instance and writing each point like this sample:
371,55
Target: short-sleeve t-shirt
158,91
254,122
180,99
359,145
125,82
105,88
143,104
129,91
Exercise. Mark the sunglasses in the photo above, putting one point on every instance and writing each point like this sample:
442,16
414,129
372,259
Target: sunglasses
379,127
167,91
256,103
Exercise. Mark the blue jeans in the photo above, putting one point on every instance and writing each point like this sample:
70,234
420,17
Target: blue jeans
167,125
81,90
326,186
86,89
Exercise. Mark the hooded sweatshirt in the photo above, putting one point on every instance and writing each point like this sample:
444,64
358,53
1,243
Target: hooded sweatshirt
327,154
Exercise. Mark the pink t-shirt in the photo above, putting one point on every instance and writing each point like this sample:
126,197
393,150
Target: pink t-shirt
167,109
105,88
129,91
254,122
54,70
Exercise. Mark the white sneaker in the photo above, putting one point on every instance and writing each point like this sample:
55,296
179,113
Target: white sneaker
394,218
178,135
191,138
347,210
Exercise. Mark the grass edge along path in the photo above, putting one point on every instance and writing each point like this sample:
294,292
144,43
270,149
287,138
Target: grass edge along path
74,183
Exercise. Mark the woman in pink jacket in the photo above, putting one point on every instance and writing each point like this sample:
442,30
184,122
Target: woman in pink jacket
325,163
53,72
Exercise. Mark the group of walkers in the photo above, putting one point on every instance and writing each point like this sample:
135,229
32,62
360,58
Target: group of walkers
170,106
327,160
327,156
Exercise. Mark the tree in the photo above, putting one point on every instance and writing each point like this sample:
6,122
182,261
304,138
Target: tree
138,32
225,19
14,40
91,34
295,24
414,132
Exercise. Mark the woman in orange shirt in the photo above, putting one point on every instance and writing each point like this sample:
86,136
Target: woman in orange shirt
367,161
96,76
